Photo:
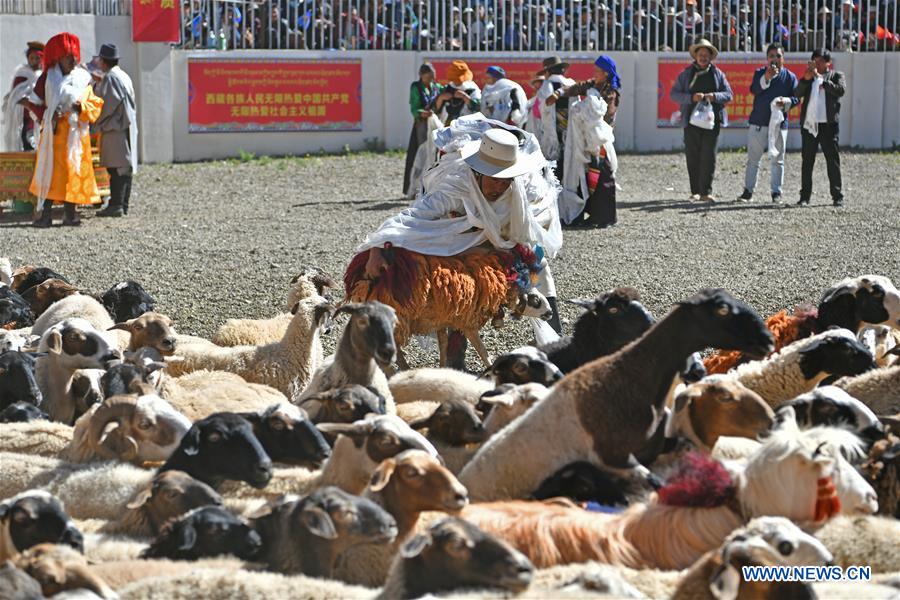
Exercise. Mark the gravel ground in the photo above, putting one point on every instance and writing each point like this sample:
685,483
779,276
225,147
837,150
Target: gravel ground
217,240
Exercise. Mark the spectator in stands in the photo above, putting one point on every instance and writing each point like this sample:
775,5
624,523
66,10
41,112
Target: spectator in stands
422,94
65,100
744,29
823,33
690,20
117,126
637,38
19,131
673,36
585,33
354,31
846,27
702,81
797,21
460,97
821,89
773,88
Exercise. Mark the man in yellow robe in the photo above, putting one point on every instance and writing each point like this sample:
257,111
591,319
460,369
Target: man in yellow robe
65,104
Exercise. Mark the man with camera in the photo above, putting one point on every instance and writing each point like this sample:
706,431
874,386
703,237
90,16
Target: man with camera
773,88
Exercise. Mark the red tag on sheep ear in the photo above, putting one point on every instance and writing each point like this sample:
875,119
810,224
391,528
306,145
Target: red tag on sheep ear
827,502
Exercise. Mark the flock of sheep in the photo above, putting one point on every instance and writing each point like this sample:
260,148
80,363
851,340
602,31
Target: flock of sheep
136,462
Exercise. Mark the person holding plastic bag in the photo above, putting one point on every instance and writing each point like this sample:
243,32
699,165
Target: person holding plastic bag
702,90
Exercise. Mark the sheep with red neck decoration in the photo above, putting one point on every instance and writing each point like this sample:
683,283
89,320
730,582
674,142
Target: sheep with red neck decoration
607,411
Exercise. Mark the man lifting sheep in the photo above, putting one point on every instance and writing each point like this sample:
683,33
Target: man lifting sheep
492,192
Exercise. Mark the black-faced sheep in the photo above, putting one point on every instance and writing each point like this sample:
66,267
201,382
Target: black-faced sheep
524,365
830,405
344,404
127,300
17,379
610,321
22,412
40,297
608,410
219,447
15,312
453,423
35,517
455,554
583,482
867,299
205,531
366,345
28,276
288,436
305,535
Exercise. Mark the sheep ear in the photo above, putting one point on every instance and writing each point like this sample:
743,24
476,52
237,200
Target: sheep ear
422,423
355,431
322,314
382,475
187,536
683,400
347,308
4,508
54,342
80,576
502,399
725,582
414,547
584,303
295,308
895,351
141,499
319,522
125,326
190,443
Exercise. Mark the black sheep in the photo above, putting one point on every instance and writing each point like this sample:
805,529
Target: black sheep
127,300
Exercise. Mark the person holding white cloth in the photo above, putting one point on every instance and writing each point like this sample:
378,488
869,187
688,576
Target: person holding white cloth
773,88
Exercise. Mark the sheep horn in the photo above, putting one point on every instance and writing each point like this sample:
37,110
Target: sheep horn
112,409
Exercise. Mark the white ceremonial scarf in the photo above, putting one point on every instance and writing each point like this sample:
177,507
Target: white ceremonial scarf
549,141
775,122
469,87
810,123
13,113
497,99
61,91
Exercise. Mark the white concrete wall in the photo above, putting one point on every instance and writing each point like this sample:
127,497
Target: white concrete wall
870,115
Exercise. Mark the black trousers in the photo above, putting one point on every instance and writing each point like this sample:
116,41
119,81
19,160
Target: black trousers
119,187
601,204
828,139
417,137
700,147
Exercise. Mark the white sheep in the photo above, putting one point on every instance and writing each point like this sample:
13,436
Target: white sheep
801,366
863,540
880,340
202,393
878,389
256,332
286,365
78,306
39,437
437,385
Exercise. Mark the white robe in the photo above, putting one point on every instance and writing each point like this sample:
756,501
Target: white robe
549,141
469,87
14,114
497,101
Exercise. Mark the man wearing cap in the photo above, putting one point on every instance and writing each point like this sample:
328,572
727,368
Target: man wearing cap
19,133
554,113
117,125
64,102
700,82
460,97
773,88
821,89
491,192
503,99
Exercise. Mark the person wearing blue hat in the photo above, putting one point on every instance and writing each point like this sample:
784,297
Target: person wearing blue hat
503,99
600,206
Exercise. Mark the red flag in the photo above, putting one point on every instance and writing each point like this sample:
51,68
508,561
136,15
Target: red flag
155,21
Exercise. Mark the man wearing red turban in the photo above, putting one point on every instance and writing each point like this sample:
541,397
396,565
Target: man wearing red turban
65,104
18,126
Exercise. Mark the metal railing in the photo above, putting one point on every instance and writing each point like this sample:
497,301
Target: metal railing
518,25
61,7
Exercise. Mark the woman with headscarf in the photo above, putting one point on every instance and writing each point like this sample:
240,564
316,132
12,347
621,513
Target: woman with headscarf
421,95
503,99
460,97
700,82
18,126
65,104
594,185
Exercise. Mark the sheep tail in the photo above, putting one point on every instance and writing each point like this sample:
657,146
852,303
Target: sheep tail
699,482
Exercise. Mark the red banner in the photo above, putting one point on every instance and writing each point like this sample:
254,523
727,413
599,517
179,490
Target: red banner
155,21
239,95
520,70
739,73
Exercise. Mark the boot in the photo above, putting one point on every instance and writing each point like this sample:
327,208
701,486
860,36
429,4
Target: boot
71,215
554,322
111,210
46,219
456,351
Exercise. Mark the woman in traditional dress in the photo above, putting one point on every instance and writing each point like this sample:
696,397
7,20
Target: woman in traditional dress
421,95
460,97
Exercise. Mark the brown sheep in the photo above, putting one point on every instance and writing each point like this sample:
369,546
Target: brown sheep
40,297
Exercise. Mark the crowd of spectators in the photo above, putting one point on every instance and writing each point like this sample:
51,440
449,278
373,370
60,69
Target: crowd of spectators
540,25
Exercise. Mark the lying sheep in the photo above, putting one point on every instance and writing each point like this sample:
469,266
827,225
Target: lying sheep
202,393
77,306
880,340
15,583
286,365
801,366
255,332
306,535
15,312
454,554
127,300
288,436
862,540
344,404
878,389
453,423
28,276
366,345
36,438
830,405
507,402
35,517
524,365
59,568
17,379
203,532
42,296
22,412
436,384
150,330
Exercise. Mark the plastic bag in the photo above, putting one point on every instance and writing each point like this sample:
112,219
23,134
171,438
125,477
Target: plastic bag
543,333
703,116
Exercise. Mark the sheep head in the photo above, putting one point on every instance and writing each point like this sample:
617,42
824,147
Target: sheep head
344,404
205,531
35,517
171,494
528,303
413,481
147,428
75,344
371,330
524,365
721,321
454,422
150,330
41,296
381,436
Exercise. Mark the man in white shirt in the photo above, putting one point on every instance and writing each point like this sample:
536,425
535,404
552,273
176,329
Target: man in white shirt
820,89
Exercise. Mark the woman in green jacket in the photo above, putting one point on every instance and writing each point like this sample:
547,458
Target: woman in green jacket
421,95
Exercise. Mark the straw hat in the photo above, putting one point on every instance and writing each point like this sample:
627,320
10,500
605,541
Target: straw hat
459,72
497,155
703,43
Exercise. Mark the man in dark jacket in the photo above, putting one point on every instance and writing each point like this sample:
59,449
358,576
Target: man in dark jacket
700,82
771,85
820,88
